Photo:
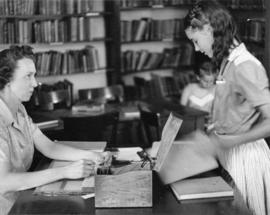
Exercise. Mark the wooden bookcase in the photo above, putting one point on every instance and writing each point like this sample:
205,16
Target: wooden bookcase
139,18
245,10
69,38
152,39
110,48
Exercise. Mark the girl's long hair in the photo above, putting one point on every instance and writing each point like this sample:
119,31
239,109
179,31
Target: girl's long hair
222,22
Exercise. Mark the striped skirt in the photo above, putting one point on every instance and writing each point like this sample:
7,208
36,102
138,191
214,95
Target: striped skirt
249,167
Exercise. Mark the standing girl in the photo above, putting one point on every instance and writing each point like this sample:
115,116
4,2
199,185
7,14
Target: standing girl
241,109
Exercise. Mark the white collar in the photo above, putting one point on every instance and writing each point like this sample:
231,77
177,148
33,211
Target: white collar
237,51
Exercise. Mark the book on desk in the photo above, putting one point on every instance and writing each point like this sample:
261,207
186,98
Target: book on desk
48,124
88,106
202,188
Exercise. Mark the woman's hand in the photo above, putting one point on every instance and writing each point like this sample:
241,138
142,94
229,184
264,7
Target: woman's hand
78,169
99,158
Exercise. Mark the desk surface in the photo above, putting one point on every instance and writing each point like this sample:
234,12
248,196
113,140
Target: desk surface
28,203
165,203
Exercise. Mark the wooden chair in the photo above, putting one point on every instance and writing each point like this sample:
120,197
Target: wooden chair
102,127
151,125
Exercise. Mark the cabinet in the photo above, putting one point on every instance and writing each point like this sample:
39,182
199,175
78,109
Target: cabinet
68,36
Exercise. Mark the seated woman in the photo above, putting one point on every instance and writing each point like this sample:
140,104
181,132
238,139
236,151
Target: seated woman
19,135
200,95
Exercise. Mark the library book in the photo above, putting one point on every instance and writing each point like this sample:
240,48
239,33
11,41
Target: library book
202,188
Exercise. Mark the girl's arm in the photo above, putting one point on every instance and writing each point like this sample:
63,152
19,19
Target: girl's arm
259,131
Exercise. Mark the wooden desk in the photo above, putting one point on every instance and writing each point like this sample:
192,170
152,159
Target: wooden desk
126,132
165,203
129,129
58,113
28,203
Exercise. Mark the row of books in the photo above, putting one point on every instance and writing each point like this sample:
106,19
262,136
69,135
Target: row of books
234,4
184,77
253,30
146,60
164,86
73,29
49,7
157,87
160,86
244,4
147,29
153,3
69,62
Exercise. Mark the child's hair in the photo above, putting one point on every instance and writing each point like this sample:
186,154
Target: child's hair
206,68
224,27
8,61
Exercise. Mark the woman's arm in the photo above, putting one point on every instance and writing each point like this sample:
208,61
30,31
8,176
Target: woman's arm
11,181
61,152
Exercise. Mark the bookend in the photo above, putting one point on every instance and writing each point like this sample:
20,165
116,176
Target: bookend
128,186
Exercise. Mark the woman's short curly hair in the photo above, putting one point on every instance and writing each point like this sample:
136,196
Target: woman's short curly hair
8,61
224,27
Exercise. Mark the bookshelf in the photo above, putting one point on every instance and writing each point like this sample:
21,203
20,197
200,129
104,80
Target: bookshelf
119,53
152,39
69,38
251,23
253,18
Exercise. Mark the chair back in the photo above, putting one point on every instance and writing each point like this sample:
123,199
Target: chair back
142,87
151,125
102,127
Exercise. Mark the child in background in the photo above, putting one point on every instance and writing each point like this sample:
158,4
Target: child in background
200,95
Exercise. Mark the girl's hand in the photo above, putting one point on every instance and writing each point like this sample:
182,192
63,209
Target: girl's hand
225,141
202,143
78,169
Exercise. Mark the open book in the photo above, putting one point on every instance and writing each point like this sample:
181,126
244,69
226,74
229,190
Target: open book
201,188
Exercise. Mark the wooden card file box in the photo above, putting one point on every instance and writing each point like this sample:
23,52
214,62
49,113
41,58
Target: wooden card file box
132,186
